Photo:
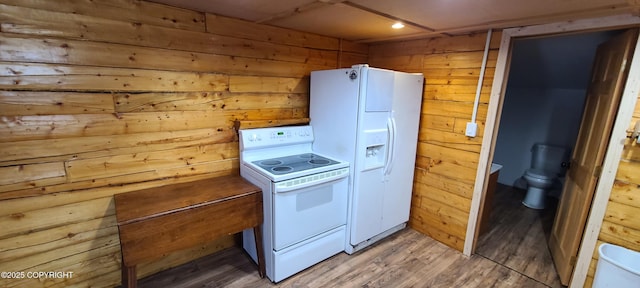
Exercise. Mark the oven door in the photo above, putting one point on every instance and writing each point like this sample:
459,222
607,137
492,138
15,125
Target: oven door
308,206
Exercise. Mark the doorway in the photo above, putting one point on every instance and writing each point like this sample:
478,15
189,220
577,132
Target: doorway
610,164
543,104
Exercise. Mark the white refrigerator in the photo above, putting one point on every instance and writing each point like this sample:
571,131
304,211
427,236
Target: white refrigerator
370,117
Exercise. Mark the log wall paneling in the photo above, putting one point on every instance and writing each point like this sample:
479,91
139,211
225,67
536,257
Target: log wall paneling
100,97
621,224
65,51
447,160
229,26
19,103
126,10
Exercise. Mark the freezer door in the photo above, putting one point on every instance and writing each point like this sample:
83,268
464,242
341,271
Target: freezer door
368,182
372,154
367,209
379,90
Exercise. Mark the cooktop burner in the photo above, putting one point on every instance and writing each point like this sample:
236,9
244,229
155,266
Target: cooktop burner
293,163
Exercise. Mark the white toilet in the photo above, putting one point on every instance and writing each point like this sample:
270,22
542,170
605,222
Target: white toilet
546,166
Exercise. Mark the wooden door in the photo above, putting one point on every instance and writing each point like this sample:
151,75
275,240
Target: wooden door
603,97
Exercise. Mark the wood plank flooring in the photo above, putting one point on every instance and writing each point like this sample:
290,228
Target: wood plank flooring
405,259
517,237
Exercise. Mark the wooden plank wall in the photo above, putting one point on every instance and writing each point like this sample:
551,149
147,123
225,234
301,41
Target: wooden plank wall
99,97
621,224
447,160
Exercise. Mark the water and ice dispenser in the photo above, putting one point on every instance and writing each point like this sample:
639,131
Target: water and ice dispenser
375,144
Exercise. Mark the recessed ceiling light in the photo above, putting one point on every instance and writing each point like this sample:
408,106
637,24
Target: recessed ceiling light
397,25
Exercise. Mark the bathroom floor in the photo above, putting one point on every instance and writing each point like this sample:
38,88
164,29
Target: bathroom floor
517,236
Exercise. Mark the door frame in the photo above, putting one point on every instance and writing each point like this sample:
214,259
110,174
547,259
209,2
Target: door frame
615,146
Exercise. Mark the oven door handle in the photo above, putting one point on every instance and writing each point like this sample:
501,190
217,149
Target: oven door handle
309,181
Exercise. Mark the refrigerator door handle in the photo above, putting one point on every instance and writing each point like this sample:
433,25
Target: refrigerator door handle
391,148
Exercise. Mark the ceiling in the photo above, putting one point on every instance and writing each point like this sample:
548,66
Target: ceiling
561,62
370,20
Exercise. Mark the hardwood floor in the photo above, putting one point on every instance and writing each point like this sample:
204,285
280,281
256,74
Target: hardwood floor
405,259
517,236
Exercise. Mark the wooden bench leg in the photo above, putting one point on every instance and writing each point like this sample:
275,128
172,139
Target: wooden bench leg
129,277
257,233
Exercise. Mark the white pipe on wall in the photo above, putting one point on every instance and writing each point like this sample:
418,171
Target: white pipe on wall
472,127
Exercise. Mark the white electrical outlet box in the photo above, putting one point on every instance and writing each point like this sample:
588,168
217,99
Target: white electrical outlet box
636,132
472,129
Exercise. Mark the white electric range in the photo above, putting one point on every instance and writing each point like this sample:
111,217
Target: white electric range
304,198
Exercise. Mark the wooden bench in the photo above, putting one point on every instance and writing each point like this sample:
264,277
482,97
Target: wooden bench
156,221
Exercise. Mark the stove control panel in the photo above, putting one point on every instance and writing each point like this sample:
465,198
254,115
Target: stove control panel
262,137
